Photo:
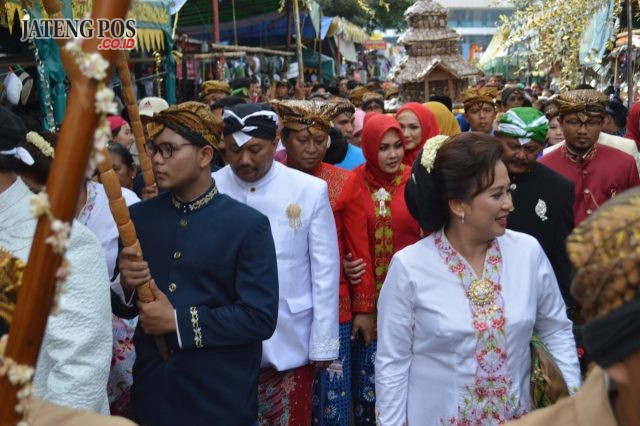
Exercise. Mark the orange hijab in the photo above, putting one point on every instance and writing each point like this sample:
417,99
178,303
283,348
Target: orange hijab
428,125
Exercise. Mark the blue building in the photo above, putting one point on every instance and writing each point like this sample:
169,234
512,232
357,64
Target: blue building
476,21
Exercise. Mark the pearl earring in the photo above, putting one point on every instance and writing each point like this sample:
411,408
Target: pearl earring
462,218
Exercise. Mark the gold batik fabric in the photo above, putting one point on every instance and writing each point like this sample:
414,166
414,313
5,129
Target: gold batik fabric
211,86
306,115
192,120
484,95
585,103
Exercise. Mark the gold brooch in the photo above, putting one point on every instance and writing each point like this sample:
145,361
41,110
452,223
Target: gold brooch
11,272
294,212
481,292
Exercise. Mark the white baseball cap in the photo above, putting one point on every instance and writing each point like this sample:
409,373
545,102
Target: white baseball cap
13,87
151,105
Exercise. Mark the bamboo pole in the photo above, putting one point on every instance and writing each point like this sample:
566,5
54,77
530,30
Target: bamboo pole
216,21
296,19
320,42
134,117
63,186
120,213
126,230
630,87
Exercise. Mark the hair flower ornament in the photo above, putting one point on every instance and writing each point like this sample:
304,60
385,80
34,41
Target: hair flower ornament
39,142
429,151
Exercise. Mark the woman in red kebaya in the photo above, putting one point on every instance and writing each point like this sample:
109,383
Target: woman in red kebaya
390,226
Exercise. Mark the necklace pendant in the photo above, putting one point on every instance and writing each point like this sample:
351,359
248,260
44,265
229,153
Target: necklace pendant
382,196
382,209
481,292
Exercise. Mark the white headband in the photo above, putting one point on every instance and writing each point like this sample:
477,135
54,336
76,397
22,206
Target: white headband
242,136
21,154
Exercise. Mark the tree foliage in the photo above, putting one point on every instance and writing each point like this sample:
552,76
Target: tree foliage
551,29
369,14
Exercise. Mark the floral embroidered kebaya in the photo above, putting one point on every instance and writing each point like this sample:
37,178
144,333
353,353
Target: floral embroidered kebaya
384,233
489,399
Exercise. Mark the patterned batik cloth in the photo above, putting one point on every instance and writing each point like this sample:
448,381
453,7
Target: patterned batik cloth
284,397
333,410
120,375
363,359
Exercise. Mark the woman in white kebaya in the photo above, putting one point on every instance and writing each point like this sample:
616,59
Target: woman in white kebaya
458,308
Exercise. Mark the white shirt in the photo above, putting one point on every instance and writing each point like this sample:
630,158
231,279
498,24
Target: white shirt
425,362
75,356
308,262
96,215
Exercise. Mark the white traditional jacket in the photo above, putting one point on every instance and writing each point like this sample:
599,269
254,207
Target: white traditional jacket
75,356
428,364
304,233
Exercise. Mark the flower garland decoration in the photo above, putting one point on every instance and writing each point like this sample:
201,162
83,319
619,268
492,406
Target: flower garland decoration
20,375
58,240
39,142
94,66
51,122
430,150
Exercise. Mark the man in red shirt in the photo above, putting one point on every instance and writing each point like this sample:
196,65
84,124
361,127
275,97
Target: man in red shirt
599,172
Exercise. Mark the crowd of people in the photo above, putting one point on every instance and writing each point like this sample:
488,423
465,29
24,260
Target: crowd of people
329,255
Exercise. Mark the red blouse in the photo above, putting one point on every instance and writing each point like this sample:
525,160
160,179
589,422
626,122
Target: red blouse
349,213
602,174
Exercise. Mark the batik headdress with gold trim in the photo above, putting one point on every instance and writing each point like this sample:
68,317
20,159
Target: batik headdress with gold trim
343,106
192,120
356,94
473,96
306,115
391,91
211,86
586,103
605,249
371,98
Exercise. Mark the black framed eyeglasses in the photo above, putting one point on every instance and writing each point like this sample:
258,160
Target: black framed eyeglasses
165,149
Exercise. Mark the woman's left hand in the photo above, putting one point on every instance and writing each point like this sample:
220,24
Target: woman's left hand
366,325
321,365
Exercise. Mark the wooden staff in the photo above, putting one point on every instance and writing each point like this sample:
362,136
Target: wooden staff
63,186
296,19
126,230
134,117
120,213
112,187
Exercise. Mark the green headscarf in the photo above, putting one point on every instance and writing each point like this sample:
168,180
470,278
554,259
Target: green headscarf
524,124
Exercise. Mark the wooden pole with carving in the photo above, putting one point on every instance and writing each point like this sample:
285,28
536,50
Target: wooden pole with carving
126,230
63,187
120,213
134,117
296,19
